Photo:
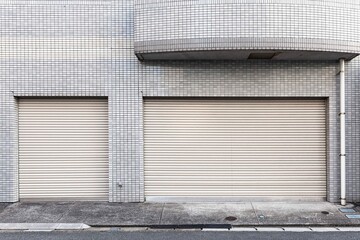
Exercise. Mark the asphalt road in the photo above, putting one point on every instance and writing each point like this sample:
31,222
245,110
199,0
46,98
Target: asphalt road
180,235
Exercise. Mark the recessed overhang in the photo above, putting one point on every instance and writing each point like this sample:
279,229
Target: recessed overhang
246,55
225,30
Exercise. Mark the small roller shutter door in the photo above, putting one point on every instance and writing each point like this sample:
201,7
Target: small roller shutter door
235,148
63,149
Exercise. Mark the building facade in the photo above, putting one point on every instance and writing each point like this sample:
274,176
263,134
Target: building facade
168,100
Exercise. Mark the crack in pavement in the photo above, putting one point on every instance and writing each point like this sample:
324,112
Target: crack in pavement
5,209
256,215
162,211
67,211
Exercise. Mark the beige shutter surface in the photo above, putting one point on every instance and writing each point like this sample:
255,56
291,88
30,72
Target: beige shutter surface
235,149
63,149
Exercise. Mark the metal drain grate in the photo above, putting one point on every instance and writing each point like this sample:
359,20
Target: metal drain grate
231,218
347,210
353,216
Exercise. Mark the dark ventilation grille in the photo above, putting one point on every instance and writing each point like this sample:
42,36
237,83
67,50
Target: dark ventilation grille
262,55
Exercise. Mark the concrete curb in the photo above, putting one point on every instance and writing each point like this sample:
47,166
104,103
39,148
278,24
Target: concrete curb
288,229
48,227
225,226
43,226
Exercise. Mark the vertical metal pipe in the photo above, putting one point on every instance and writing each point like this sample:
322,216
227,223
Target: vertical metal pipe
342,132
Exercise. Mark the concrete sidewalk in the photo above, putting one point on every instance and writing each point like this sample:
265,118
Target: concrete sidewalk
176,214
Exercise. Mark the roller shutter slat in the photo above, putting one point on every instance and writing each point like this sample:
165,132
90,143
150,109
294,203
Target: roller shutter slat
63,149
235,148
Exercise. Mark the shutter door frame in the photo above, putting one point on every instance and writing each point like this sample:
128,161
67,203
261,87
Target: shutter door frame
319,104
80,126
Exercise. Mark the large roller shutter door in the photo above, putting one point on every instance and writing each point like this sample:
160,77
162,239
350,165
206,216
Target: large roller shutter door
235,149
63,149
